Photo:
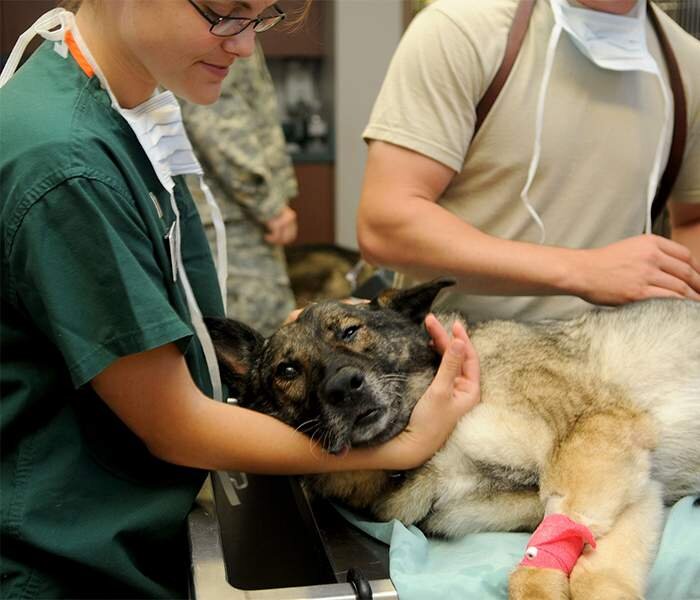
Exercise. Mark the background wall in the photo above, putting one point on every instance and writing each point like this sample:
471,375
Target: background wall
366,34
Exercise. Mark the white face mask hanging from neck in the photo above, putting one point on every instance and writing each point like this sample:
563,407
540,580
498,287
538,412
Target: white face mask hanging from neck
613,42
157,124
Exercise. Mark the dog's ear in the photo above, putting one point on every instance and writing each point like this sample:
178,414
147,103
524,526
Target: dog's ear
414,302
237,347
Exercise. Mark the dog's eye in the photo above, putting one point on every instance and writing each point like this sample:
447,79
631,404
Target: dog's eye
287,371
349,332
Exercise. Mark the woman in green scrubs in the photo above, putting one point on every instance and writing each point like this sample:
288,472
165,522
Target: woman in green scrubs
108,427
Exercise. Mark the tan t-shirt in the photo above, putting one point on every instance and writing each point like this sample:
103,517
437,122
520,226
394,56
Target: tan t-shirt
600,134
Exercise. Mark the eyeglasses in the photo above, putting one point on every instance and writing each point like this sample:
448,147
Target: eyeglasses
222,26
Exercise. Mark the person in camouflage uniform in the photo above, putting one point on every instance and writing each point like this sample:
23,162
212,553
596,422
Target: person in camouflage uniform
240,143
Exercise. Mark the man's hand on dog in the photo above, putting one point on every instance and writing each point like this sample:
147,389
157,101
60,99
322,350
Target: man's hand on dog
454,391
645,266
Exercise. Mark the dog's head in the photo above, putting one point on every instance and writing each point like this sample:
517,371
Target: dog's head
346,374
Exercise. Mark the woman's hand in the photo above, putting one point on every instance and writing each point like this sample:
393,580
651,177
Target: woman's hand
453,392
293,316
282,229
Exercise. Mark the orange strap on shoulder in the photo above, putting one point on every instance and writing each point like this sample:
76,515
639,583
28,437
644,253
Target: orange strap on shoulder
78,55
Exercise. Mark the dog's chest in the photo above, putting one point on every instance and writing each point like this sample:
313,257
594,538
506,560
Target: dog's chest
490,453
458,476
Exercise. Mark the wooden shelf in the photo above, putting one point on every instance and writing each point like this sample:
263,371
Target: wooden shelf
310,39
315,203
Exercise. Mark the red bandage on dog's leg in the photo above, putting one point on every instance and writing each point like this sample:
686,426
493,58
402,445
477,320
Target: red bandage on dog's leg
556,544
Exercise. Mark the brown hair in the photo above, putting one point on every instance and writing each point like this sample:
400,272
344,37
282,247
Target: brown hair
71,5
296,15
294,20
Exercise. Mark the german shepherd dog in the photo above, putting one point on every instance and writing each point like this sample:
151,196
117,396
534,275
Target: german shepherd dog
597,418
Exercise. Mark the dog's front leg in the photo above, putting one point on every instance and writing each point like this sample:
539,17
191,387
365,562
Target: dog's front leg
538,584
596,485
617,568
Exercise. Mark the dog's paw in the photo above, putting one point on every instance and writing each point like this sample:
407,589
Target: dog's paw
526,583
601,585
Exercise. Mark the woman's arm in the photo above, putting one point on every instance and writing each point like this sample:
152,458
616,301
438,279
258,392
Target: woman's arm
154,394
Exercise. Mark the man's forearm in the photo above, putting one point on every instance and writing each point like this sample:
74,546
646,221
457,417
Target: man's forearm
400,225
424,240
688,235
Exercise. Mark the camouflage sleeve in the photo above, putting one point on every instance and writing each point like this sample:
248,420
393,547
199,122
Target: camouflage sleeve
240,143
262,95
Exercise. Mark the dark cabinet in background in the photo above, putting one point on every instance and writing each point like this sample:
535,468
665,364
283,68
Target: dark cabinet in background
16,16
314,204
308,47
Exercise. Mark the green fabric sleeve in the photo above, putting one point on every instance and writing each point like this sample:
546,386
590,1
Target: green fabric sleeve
84,267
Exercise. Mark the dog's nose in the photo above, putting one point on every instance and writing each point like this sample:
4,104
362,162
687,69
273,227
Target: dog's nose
344,383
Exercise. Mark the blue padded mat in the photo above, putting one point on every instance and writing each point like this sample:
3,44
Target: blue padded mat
477,565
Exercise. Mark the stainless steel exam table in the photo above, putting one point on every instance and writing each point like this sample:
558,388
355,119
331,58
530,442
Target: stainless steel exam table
255,537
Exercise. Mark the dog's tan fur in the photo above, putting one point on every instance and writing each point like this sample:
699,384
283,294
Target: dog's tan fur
597,418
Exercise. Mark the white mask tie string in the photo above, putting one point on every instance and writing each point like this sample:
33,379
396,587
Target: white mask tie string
539,124
221,250
51,26
655,175
618,43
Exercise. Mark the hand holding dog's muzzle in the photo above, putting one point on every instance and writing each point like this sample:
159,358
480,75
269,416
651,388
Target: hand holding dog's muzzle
454,391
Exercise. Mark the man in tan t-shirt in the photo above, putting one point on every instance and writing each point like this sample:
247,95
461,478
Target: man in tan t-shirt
438,200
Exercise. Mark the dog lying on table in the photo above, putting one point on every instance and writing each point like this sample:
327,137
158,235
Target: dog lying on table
591,423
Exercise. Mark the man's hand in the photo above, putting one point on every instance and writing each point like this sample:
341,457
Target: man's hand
454,391
282,229
644,266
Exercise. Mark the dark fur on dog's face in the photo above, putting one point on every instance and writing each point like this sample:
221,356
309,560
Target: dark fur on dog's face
348,375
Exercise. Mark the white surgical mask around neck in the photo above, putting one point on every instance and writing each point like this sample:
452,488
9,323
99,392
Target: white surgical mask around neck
611,42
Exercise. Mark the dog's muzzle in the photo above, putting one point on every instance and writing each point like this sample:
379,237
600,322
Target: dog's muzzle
347,384
351,411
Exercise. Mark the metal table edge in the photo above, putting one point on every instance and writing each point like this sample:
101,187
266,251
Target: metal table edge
209,580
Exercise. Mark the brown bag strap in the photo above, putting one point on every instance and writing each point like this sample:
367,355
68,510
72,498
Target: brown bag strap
680,119
517,32
516,35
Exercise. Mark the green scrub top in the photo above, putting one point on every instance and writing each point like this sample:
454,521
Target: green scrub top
87,511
